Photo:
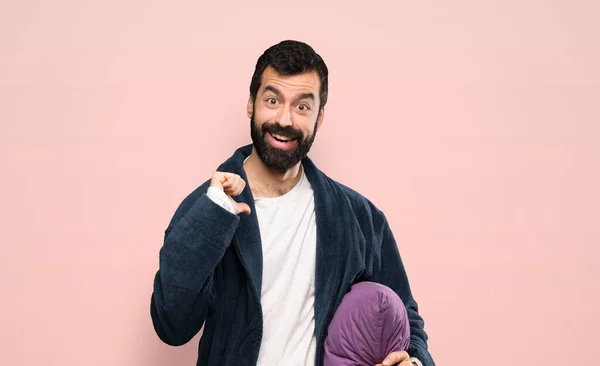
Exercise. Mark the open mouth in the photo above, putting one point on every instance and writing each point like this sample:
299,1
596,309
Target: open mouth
281,138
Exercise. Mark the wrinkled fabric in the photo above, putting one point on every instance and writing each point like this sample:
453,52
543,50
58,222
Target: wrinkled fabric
370,323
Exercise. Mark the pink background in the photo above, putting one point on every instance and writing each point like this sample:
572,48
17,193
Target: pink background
474,125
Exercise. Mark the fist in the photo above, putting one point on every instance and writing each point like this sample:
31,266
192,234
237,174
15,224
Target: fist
232,185
399,358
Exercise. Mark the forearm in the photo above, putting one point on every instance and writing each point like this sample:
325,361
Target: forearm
389,270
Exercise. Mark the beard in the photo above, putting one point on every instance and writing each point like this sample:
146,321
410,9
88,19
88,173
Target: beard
273,157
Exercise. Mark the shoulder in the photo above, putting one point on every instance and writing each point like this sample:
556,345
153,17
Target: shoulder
189,201
232,164
363,208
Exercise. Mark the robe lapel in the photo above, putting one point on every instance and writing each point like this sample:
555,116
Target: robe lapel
331,209
247,240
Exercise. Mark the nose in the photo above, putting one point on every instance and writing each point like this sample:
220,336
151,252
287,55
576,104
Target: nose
285,117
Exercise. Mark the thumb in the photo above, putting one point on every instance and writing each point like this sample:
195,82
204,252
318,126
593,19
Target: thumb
241,207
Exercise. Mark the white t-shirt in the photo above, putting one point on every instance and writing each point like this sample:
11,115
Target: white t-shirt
288,233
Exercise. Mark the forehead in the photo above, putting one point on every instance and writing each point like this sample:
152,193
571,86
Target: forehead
307,82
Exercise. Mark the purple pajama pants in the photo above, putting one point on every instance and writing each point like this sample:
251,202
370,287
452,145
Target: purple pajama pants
369,324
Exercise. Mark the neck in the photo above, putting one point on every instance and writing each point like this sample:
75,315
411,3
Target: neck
268,182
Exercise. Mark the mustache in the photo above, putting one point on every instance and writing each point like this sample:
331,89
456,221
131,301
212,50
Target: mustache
288,131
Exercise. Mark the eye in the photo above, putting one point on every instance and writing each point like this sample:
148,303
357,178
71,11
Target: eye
303,107
272,101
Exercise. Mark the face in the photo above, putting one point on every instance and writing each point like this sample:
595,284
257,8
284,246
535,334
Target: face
285,117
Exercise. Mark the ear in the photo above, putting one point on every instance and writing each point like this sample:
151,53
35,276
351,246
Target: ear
320,117
250,107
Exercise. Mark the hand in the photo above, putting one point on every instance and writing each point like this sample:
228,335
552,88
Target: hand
400,358
232,185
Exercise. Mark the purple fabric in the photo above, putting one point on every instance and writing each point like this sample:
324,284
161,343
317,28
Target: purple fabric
370,323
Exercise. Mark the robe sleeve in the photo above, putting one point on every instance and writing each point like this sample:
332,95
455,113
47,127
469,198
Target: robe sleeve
195,242
389,270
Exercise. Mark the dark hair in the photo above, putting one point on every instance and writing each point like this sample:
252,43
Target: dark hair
291,58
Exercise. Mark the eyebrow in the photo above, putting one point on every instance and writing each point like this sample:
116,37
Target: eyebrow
310,96
299,96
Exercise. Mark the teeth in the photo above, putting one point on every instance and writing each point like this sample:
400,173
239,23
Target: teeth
279,137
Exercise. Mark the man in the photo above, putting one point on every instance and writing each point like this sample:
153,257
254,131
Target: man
265,272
